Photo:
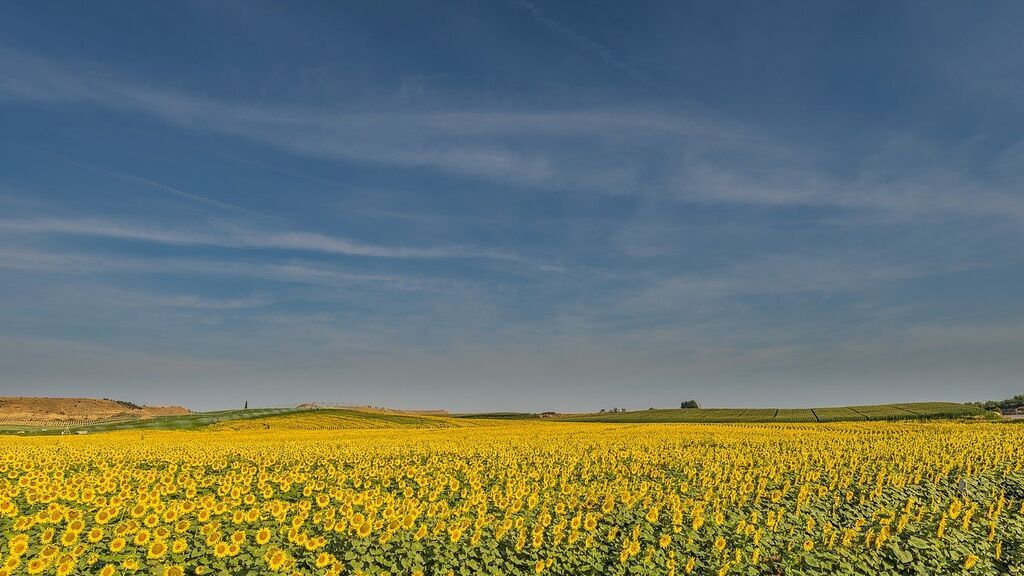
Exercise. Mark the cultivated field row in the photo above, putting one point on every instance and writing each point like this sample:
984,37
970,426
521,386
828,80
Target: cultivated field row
908,411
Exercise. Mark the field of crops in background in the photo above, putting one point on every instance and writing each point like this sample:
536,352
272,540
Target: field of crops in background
911,411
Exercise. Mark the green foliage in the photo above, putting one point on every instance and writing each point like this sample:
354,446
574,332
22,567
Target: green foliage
911,411
1007,404
500,416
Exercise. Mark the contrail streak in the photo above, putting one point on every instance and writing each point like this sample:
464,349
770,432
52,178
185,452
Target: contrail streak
594,47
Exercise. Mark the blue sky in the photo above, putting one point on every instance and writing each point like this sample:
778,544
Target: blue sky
511,205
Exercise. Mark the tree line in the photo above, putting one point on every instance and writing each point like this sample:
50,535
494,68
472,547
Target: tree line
1007,404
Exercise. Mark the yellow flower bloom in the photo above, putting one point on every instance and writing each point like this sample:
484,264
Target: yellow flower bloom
277,559
719,543
156,550
117,545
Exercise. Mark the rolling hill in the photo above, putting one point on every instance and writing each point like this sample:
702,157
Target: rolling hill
62,412
82,415
907,411
336,419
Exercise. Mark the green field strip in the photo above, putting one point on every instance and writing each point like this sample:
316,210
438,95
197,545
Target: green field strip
883,412
685,415
795,415
758,415
499,416
942,409
754,415
859,412
725,415
898,407
707,414
692,414
838,414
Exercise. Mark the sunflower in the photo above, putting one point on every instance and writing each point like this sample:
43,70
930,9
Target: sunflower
156,550
117,545
421,533
276,559
19,546
36,566
365,528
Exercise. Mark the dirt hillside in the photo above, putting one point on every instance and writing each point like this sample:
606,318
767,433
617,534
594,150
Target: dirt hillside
56,411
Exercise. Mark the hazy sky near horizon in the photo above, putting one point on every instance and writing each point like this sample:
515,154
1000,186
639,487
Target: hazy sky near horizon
512,205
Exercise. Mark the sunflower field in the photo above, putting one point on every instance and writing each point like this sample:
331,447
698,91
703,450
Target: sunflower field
520,497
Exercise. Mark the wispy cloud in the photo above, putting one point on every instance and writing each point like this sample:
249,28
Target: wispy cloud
194,301
546,149
288,271
152,300
785,275
665,156
228,236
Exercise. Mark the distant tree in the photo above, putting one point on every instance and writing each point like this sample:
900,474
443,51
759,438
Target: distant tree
126,404
1007,404
602,411
246,405
689,404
